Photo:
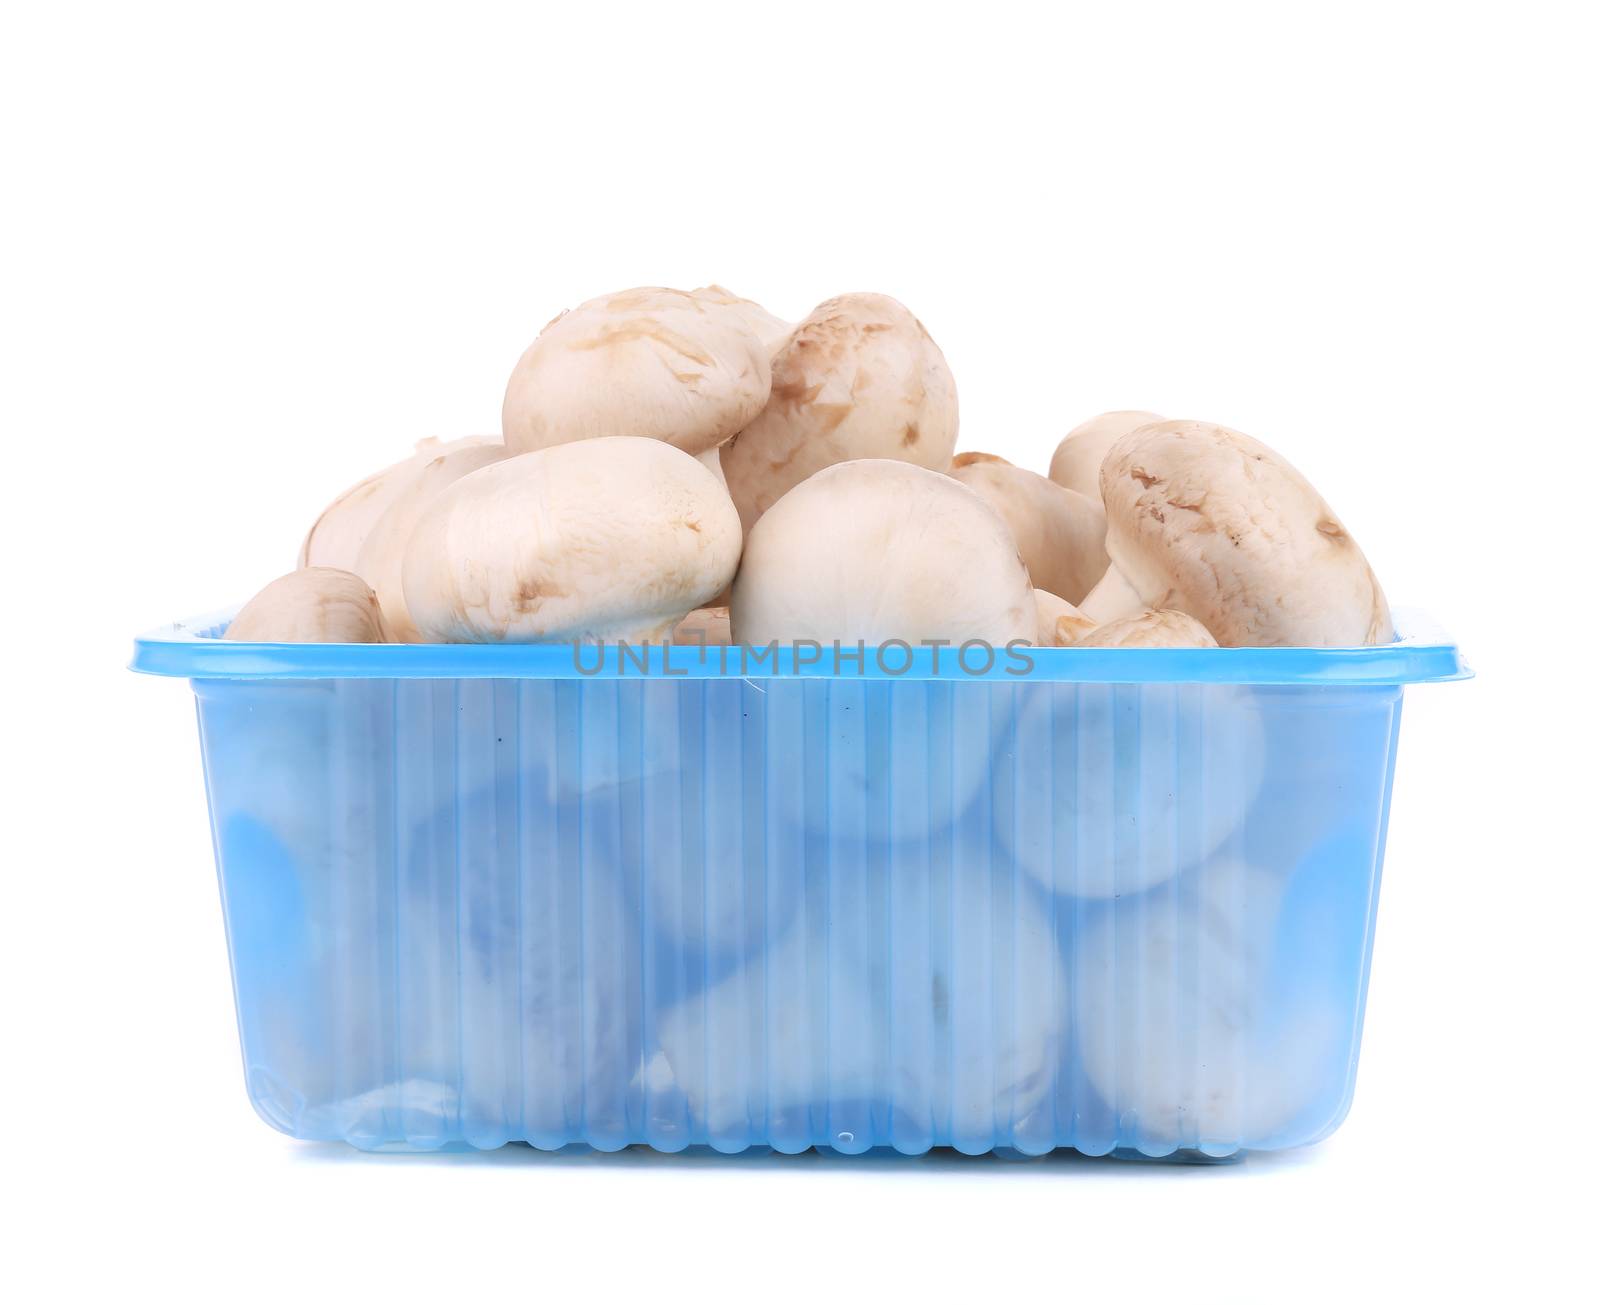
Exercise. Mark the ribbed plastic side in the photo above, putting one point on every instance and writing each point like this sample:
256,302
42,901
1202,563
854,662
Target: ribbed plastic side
791,913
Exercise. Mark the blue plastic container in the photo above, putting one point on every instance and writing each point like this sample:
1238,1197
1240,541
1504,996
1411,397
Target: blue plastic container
1121,902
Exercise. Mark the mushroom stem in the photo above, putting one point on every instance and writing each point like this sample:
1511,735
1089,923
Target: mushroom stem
1112,599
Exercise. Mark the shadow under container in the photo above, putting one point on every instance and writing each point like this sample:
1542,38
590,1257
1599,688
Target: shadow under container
1119,900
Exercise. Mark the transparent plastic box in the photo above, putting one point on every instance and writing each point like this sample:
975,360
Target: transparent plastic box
1123,902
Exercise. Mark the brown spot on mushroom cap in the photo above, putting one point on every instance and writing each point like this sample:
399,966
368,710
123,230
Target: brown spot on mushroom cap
830,416
971,456
703,627
911,434
1061,624
530,591
793,390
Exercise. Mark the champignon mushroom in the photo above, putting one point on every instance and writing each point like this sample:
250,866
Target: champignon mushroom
1060,534
316,604
651,362
1190,1025
972,456
383,552
1164,629
705,626
335,538
859,378
612,538
1213,523
995,983
1077,459
460,859
697,1059
1060,623
1181,763
878,551
773,331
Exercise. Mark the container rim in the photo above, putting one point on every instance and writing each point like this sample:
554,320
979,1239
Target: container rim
194,649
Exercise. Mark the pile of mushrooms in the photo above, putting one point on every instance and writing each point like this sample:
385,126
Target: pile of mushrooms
685,466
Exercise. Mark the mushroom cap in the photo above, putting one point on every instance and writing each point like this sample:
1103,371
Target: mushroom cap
1186,769
1060,534
1009,1087
1223,1047
878,550
335,538
601,539
380,560
972,456
772,331
704,627
1060,623
1077,459
1213,523
859,378
653,362
1166,629
316,604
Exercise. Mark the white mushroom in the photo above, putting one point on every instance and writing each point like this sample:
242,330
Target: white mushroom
1060,534
1076,462
879,551
336,536
462,859
996,995
316,604
972,456
1213,523
859,378
383,552
650,362
698,1068
1060,623
600,539
705,626
1150,630
964,1040
773,331
1153,781
1190,1025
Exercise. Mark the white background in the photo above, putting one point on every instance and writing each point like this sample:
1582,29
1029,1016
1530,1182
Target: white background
254,251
